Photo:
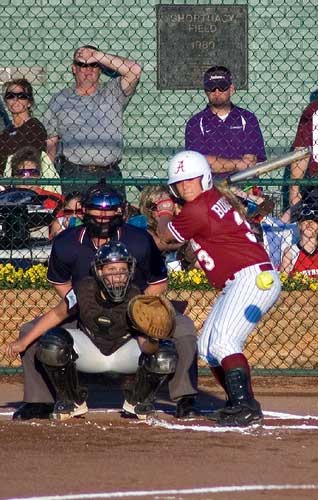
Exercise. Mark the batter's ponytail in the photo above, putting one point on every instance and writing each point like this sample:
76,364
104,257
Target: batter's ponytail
224,189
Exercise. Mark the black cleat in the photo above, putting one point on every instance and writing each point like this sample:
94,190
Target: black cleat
138,410
186,408
214,415
242,415
64,410
28,411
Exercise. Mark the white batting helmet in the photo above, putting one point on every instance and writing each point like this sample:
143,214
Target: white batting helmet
188,165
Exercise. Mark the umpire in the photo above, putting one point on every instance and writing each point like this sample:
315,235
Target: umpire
72,254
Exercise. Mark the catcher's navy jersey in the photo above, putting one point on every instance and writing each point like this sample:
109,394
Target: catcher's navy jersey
73,252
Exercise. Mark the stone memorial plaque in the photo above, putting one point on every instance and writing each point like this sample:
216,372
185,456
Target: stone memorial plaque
192,38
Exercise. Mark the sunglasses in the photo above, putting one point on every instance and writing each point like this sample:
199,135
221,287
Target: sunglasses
220,89
28,172
69,211
16,95
81,64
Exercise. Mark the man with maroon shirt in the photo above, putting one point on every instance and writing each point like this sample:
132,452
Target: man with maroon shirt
307,135
212,219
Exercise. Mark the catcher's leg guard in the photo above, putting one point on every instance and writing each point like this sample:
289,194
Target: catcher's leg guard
244,409
153,371
56,353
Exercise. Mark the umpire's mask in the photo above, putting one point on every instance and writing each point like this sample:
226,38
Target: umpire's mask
103,211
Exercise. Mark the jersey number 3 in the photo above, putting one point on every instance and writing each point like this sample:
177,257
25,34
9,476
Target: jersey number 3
206,261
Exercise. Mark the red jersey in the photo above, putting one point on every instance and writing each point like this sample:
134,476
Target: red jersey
306,263
221,239
307,135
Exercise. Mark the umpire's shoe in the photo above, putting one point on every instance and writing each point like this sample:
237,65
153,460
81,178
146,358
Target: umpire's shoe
186,408
28,411
241,415
64,410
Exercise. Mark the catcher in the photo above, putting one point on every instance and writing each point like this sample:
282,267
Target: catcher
119,331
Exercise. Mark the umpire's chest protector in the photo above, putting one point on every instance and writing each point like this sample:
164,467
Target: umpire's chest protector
103,321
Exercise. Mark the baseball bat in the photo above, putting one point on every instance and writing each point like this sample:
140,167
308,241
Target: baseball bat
269,165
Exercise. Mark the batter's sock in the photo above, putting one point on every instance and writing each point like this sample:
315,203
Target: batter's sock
219,375
238,361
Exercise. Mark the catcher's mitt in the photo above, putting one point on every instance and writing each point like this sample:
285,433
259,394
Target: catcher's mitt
152,315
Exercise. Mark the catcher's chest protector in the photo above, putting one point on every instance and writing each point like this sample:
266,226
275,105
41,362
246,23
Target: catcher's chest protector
103,321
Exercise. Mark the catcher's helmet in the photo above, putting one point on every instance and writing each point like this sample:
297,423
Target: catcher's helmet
103,198
114,282
188,165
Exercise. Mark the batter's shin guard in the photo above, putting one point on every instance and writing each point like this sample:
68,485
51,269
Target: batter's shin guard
237,383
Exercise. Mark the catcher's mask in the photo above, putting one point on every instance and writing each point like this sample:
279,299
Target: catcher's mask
104,199
114,269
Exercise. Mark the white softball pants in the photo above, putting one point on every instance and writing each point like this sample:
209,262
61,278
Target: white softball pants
91,360
235,314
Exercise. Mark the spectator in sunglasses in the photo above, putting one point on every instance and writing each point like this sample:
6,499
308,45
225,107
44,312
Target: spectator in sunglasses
85,121
302,257
26,164
227,135
68,214
176,255
25,130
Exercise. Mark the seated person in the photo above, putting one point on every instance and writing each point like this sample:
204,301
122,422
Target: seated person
104,341
68,214
177,256
303,256
26,164
275,233
47,169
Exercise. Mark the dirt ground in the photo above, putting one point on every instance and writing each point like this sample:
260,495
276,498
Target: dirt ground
106,456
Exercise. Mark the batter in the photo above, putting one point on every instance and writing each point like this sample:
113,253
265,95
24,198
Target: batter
213,220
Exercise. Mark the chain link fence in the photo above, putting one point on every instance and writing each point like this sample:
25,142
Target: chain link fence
58,135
